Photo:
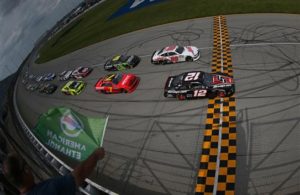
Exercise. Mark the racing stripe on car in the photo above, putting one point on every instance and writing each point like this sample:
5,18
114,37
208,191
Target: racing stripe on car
216,173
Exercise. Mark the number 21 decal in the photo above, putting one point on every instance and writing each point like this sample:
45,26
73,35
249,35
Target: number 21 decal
199,93
192,76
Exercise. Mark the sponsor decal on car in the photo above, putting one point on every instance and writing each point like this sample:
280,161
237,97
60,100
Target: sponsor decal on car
133,5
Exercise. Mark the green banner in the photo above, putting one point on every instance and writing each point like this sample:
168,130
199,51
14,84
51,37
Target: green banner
70,133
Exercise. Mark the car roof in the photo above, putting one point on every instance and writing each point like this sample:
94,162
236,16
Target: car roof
116,58
200,77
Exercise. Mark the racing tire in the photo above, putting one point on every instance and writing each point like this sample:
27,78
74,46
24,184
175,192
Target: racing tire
189,59
124,91
103,91
181,97
230,93
221,94
165,94
159,62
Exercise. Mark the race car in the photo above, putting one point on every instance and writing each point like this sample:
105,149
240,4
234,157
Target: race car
31,77
65,75
32,86
39,78
48,88
174,54
197,84
73,87
117,83
49,77
81,72
24,81
121,62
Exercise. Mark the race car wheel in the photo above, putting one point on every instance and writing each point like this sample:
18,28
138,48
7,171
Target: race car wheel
181,97
103,91
189,59
124,91
165,94
221,93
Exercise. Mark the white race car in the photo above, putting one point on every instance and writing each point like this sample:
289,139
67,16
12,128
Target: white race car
174,54
65,75
81,72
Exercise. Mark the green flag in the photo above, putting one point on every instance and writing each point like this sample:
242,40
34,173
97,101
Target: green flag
70,133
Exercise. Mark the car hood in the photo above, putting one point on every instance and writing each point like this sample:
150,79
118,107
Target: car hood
190,50
128,80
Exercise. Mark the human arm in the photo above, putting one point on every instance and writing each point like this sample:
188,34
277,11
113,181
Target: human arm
85,168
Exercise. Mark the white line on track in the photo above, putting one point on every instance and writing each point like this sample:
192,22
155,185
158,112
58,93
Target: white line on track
234,45
263,44
242,45
221,119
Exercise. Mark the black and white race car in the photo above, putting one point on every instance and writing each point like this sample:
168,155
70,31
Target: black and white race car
65,75
121,62
48,88
197,84
174,54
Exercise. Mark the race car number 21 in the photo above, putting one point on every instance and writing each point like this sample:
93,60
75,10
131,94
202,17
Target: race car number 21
199,93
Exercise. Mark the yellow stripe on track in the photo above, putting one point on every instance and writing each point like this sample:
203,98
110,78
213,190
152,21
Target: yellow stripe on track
216,173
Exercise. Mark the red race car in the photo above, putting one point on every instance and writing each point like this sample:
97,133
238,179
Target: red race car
117,83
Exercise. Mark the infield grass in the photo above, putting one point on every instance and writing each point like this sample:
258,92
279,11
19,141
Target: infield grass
94,27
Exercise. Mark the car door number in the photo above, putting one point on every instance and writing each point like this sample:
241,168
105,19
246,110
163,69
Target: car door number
200,93
192,76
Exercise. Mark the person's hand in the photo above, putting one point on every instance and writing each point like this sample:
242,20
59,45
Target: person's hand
100,152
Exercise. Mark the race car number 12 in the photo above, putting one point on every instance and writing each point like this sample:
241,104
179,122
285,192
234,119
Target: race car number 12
199,93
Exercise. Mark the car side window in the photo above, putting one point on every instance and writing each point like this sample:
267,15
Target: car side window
183,87
172,53
165,54
196,86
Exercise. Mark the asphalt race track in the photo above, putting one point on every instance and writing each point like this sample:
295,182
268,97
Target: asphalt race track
153,143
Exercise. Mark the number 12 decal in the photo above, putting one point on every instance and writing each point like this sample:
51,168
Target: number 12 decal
192,76
199,93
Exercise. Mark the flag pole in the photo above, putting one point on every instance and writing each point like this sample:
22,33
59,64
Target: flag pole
101,143
104,130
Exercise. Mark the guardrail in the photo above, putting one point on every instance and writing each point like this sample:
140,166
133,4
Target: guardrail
91,188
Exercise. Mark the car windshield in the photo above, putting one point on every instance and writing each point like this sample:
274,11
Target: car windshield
179,49
160,51
74,85
117,78
123,58
177,80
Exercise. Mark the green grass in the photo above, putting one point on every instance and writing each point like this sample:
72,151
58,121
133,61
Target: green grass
93,26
